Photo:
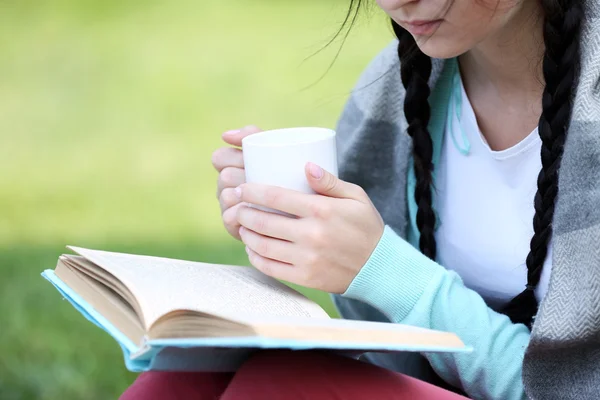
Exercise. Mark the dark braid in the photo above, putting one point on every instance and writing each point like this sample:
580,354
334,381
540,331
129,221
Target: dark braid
561,63
415,72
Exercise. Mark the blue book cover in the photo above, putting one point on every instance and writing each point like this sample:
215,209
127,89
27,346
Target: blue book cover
101,276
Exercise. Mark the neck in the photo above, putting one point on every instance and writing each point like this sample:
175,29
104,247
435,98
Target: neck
510,60
504,80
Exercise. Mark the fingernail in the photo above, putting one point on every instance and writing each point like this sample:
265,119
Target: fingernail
232,132
247,250
238,192
315,171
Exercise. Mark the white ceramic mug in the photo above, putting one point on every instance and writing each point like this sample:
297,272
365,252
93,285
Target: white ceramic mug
278,157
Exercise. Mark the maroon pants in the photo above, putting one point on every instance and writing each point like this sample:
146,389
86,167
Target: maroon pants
289,376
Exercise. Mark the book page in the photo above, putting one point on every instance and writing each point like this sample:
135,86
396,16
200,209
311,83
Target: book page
162,285
340,331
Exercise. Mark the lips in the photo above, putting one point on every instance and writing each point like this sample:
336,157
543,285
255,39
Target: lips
422,28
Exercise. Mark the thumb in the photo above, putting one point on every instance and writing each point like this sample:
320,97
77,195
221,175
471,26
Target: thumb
327,184
235,137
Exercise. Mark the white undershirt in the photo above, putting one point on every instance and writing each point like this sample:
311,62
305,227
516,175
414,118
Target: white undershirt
484,200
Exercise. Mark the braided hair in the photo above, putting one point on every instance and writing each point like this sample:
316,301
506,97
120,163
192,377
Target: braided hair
415,71
562,23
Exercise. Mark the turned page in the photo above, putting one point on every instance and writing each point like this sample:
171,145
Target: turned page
162,285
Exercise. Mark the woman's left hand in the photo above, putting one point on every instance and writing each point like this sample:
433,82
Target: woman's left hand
326,246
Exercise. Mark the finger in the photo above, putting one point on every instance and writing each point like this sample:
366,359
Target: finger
227,157
327,184
286,200
230,221
268,224
272,268
228,199
230,177
235,137
275,249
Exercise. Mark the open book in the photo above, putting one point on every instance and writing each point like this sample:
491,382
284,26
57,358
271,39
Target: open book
179,315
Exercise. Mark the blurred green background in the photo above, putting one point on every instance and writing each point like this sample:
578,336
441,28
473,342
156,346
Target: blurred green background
109,112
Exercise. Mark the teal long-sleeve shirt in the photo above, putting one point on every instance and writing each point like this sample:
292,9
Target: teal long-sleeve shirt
412,289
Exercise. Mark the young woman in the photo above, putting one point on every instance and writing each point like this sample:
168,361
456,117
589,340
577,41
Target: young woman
483,117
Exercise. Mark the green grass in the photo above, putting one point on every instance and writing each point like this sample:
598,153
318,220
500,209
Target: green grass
109,111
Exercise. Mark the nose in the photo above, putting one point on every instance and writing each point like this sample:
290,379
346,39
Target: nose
392,5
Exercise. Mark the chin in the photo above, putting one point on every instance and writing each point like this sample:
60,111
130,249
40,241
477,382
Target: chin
441,47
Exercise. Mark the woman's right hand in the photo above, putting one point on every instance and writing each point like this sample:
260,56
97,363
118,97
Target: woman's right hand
229,162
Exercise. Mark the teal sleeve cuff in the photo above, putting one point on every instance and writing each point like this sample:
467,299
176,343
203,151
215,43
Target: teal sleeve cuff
394,277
